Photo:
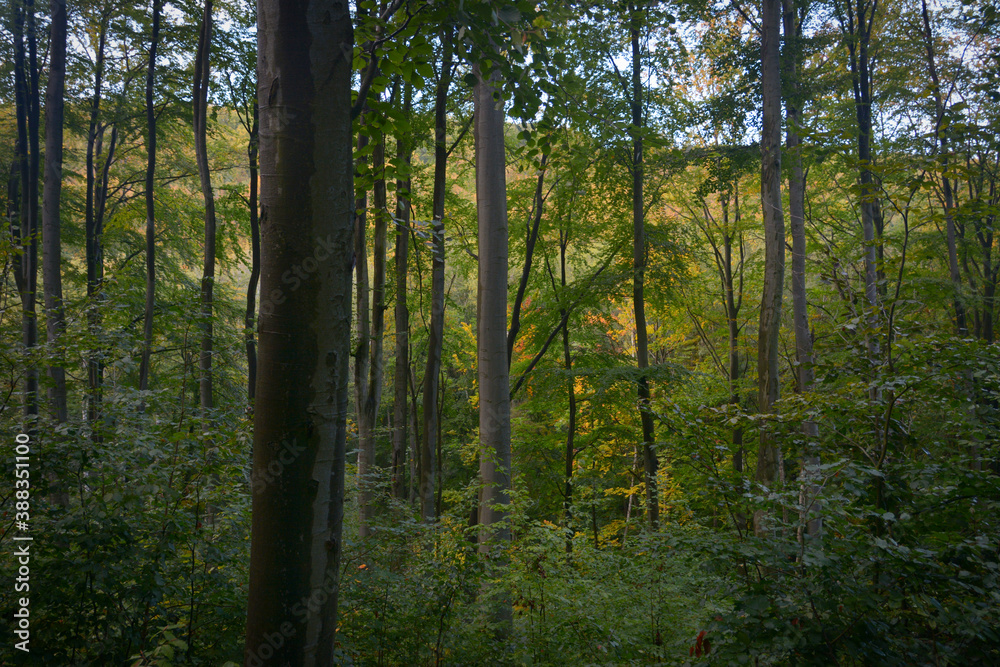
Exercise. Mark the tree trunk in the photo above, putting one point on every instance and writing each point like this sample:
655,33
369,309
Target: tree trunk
856,27
362,358
92,225
371,328
805,372
300,416
435,334
529,252
774,243
201,79
147,329
949,202
27,103
571,395
402,313
650,462
377,357
494,382
51,233
250,320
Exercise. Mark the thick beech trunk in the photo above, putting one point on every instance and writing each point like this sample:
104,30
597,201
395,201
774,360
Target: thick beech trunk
55,322
774,243
147,328
300,416
201,79
435,335
494,383
797,214
650,462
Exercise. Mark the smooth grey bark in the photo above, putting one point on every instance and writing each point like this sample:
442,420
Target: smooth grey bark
400,414
435,334
26,234
55,323
649,460
300,416
494,382
804,370
200,97
774,243
147,328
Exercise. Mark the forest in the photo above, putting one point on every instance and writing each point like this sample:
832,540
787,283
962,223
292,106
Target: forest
465,332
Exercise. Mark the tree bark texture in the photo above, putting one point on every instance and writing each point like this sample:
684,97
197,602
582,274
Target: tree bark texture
805,372
300,416
494,381
774,242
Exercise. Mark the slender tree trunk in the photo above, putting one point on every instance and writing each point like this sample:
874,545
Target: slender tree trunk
27,102
571,395
414,439
435,334
733,288
201,79
774,243
362,358
51,232
95,272
304,93
529,252
402,313
650,462
371,328
250,320
856,27
797,216
373,400
494,382
147,329
949,200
